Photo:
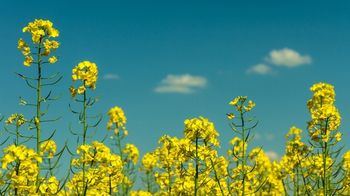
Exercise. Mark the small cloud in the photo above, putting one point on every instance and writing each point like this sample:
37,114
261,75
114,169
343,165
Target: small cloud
183,84
257,136
260,69
111,76
288,58
270,137
273,156
264,137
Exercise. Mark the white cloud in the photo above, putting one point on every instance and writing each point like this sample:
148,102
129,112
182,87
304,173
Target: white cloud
264,136
273,156
288,58
111,76
257,136
184,84
270,137
260,69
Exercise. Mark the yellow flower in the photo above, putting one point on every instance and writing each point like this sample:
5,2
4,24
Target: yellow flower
17,118
324,114
72,91
239,102
41,31
52,60
28,61
117,117
86,71
41,28
250,106
81,89
338,136
149,160
48,146
201,128
230,116
132,152
21,44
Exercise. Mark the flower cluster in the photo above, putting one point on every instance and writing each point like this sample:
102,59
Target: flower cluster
102,172
325,118
239,147
117,118
238,103
41,31
48,147
87,72
188,165
201,128
21,164
18,119
346,181
149,161
132,153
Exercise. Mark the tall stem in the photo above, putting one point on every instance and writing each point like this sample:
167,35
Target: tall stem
17,134
121,154
325,150
244,161
84,117
37,119
84,140
197,169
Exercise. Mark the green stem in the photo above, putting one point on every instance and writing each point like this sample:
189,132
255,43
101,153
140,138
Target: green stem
17,135
148,181
325,178
121,154
244,161
84,117
325,152
217,177
38,109
197,169
84,140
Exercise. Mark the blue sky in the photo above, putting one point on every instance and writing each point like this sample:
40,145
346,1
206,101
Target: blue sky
165,61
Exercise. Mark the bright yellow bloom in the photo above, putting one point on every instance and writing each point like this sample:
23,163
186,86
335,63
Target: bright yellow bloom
52,60
16,118
85,71
48,146
132,152
338,136
21,44
40,29
235,101
149,160
81,89
103,171
239,148
21,164
325,118
250,106
28,61
239,102
50,186
201,128
117,118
